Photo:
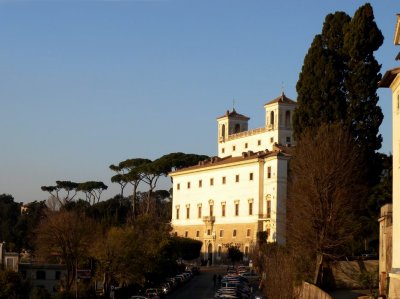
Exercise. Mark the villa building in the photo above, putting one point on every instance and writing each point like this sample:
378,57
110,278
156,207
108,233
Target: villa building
391,79
227,199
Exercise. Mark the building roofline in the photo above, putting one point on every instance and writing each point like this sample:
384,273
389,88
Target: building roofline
246,157
388,77
282,99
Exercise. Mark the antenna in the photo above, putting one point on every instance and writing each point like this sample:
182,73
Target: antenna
282,87
233,104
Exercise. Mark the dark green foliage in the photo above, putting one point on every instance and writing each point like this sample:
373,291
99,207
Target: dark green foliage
321,93
12,286
9,213
338,84
186,248
109,213
39,293
33,213
262,237
339,78
234,254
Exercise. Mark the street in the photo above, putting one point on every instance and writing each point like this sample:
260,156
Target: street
200,286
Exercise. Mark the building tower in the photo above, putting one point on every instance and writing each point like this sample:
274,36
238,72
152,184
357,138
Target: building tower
231,123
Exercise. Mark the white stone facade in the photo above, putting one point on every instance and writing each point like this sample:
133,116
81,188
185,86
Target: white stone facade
391,79
229,198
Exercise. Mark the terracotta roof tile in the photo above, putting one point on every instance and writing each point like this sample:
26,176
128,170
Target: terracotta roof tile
281,99
233,113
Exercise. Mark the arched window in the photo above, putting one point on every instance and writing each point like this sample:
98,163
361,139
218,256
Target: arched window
223,131
237,128
287,119
272,118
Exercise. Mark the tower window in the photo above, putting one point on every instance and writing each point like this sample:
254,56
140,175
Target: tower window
237,128
200,183
188,185
272,119
233,148
223,150
237,178
234,233
199,211
246,145
236,209
178,186
251,176
269,172
250,208
223,210
177,213
223,180
258,142
211,182
287,119
187,212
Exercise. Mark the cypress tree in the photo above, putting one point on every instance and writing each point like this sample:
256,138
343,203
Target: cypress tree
364,117
321,94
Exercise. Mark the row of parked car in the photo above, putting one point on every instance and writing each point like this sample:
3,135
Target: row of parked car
169,285
238,283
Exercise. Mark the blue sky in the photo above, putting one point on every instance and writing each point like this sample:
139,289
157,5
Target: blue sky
85,84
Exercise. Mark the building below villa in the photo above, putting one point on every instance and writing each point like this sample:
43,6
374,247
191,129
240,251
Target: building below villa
226,200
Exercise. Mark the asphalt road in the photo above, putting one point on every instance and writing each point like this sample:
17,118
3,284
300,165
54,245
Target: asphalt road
201,286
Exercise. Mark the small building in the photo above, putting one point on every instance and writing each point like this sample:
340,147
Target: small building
47,276
8,260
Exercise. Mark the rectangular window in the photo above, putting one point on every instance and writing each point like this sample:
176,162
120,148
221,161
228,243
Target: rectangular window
211,210
223,210
178,186
219,251
269,172
246,145
246,251
186,234
208,232
200,183
258,142
199,211
187,212
268,209
233,148
234,233
188,185
250,208
197,233
288,140
236,209
223,150
272,139
221,233
248,232
251,176
223,180
177,213
237,178
211,182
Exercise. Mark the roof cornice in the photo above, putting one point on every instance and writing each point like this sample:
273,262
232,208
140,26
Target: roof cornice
397,31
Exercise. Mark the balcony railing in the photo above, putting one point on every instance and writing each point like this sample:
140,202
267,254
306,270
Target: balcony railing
209,219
